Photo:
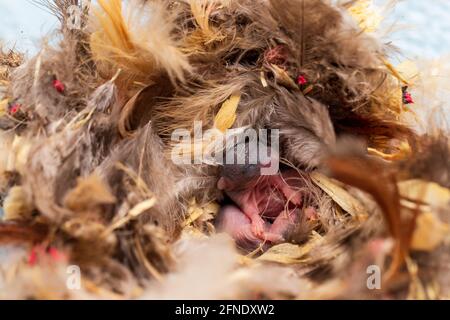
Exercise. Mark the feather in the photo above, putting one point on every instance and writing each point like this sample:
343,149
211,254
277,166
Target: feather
95,166
201,10
306,127
180,111
127,42
22,233
351,169
226,116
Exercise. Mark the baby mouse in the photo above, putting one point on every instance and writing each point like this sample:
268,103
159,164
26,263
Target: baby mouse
264,208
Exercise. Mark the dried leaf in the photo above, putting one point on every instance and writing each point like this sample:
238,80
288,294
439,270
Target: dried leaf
226,116
430,232
287,253
3,107
395,72
126,113
18,159
416,288
17,205
142,207
263,80
195,212
366,15
422,191
190,233
137,111
282,77
6,140
135,212
339,195
408,70
89,192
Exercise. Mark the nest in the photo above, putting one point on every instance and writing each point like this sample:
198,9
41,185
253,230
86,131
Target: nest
88,185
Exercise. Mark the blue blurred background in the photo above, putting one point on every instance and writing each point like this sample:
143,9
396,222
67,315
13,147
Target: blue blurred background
424,24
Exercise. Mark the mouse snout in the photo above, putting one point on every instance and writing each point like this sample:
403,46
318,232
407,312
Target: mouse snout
238,172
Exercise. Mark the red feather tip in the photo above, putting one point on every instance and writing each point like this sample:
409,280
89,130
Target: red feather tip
59,86
301,80
14,108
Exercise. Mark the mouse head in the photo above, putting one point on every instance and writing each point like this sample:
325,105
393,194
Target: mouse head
236,175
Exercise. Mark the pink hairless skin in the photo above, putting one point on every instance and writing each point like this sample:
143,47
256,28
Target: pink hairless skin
264,209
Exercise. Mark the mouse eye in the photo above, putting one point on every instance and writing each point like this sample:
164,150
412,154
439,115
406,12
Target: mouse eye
241,169
251,170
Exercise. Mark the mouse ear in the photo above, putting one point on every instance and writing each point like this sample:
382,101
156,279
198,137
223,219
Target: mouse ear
222,184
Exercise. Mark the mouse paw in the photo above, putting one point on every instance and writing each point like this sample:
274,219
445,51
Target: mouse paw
258,227
273,237
296,198
291,194
311,214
